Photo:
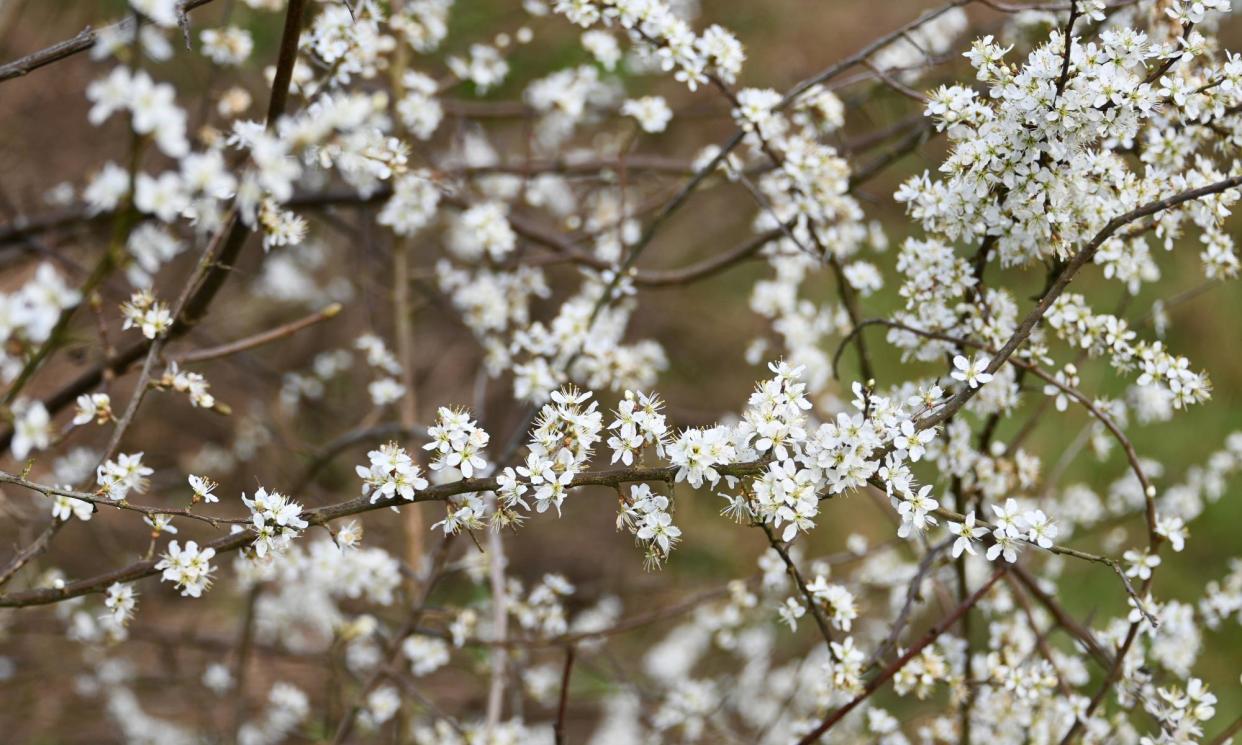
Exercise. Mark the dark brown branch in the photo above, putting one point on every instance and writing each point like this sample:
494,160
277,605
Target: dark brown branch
84,41
1080,259
1068,38
1228,732
812,604
912,593
24,556
559,728
1063,618
902,661
324,515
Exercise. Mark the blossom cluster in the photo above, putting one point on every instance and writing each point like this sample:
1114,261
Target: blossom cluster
904,516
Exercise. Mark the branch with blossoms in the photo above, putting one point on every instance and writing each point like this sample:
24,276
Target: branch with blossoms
493,287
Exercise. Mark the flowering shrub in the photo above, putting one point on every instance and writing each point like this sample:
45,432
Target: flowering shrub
1085,147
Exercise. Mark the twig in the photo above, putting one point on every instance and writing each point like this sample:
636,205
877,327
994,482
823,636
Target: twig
85,40
393,655
1228,732
95,499
257,340
500,624
1080,259
1128,447
894,668
1041,642
813,605
1068,38
245,642
36,547
562,707
1063,618
912,592
324,515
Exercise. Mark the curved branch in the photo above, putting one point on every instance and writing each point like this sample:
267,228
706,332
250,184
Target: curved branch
1080,259
900,662
1078,396
324,515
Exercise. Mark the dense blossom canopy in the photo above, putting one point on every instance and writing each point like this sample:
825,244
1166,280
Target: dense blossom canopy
1096,137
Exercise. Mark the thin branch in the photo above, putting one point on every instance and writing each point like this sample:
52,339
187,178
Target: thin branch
393,657
863,54
1080,259
1041,641
84,41
324,515
912,593
329,452
95,499
1067,37
894,668
1063,618
1228,732
27,554
813,605
559,728
1132,457
257,340
245,642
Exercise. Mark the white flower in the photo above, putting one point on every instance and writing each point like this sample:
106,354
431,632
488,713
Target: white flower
914,512
227,46
483,229
1141,563
349,535
1008,518
1174,529
162,12
120,600
160,524
202,487
391,473
190,383
1040,527
381,705
64,508
385,391
1067,377
839,602
117,478
914,442
106,189
603,47
1005,544
32,428
426,654
647,517
217,678
458,443
972,372
189,568
790,611
966,533
144,312
276,521
651,112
